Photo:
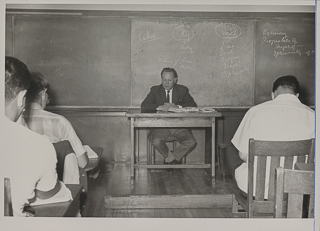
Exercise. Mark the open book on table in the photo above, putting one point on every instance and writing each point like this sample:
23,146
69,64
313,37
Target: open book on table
186,109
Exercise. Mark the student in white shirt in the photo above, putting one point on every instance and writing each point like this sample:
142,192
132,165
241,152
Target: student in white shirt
284,118
29,158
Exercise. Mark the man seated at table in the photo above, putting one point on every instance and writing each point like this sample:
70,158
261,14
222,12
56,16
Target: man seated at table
166,95
29,159
56,127
284,118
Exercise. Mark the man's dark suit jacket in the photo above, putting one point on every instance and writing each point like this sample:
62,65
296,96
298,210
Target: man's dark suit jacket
157,97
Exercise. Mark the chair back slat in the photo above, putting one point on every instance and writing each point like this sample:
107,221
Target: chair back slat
295,202
261,177
274,163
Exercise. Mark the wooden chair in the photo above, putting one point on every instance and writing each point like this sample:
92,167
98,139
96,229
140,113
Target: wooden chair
7,198
258,206
92,170
296,183
151,151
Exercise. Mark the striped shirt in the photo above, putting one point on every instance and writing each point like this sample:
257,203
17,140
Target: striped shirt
55,127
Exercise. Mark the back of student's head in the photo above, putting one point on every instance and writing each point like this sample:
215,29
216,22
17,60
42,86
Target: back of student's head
17,77
38,84
288,82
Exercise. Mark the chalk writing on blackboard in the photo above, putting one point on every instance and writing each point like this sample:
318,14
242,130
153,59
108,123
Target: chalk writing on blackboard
183,34
283,44
230,59
147,37
228,30
182,63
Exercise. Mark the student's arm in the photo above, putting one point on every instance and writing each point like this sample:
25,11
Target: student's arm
83,160
70,134
48,194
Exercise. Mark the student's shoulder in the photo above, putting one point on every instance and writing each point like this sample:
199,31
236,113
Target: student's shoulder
54,116
259,108
24,133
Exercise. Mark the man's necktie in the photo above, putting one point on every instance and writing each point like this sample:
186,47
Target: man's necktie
168,96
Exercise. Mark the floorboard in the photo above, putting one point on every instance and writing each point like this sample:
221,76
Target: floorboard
155,182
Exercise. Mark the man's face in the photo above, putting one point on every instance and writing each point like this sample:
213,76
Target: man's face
168,80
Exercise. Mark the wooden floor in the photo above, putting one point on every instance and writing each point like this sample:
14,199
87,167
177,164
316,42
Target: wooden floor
116,184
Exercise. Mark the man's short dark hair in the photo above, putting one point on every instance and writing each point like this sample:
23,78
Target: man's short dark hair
17,77
169,69
38,83
288,82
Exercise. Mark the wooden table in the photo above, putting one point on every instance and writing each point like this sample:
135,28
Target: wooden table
63,209
167,120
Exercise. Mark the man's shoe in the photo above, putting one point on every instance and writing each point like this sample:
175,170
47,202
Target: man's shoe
175,162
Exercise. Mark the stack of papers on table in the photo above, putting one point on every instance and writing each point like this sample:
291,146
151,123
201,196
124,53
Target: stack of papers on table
63,195
184,109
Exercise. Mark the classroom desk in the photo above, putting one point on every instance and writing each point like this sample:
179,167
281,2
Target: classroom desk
169,119
63,209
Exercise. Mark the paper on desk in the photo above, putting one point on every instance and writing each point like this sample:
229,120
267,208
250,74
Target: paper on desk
63,195
207,109
91,154
184,109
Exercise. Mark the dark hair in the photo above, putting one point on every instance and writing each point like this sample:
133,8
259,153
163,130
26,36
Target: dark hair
168,69
38,83
289,82
17,77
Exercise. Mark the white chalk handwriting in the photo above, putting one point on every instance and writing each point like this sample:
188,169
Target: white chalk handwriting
228,30
182,63
231,61
183,34
147,37
283,44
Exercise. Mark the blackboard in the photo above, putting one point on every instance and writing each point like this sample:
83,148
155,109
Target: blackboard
85,59
285,48
113,61
213,58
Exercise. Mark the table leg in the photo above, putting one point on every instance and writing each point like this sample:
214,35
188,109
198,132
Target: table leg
213,154
132,149
136,146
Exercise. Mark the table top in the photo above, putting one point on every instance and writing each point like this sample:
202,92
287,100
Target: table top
162,114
